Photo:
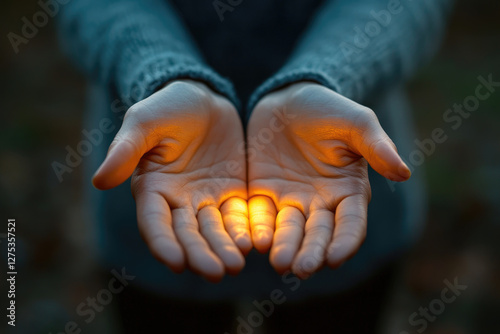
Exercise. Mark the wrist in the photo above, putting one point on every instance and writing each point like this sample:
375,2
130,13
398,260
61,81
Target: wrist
291,87
283,95
192,82
204,89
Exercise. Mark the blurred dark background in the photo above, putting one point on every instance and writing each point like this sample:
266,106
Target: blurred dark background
42,100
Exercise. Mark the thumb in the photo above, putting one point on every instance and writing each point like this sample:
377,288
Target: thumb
125,152
380,152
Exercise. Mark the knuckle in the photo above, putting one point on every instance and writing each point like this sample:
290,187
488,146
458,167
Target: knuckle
209,225
356,232
188,226
261,213
286,223
235,218
364,117
318,230
352,220
134,111
373,145
260,225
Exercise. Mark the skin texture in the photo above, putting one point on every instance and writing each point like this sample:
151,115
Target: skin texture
308,149
184,147
308,188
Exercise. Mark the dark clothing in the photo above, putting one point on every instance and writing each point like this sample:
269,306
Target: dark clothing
355,311
362,49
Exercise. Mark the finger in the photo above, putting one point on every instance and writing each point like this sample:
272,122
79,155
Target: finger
318,233
200,257
155,225
128,147
262,214
235,217
350,229
287,238
380,152
212,228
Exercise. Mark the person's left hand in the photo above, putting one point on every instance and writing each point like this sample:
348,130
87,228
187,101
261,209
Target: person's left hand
308,178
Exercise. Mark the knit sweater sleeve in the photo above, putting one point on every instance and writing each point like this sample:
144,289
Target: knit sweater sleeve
134,46
354,47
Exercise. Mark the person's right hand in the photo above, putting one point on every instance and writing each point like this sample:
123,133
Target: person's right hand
184,145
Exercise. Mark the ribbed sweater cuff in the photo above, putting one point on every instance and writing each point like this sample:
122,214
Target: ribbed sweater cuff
156,70
288,76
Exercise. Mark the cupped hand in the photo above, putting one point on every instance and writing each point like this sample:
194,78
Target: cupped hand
308,149
184,146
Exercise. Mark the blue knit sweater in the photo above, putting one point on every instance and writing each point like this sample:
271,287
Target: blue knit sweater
363,49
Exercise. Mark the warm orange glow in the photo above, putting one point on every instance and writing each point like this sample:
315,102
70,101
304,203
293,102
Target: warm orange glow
237,204
261,209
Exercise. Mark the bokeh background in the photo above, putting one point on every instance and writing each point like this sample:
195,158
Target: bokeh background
42,101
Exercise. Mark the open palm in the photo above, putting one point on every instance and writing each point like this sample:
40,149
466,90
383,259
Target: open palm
308,179
185,148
